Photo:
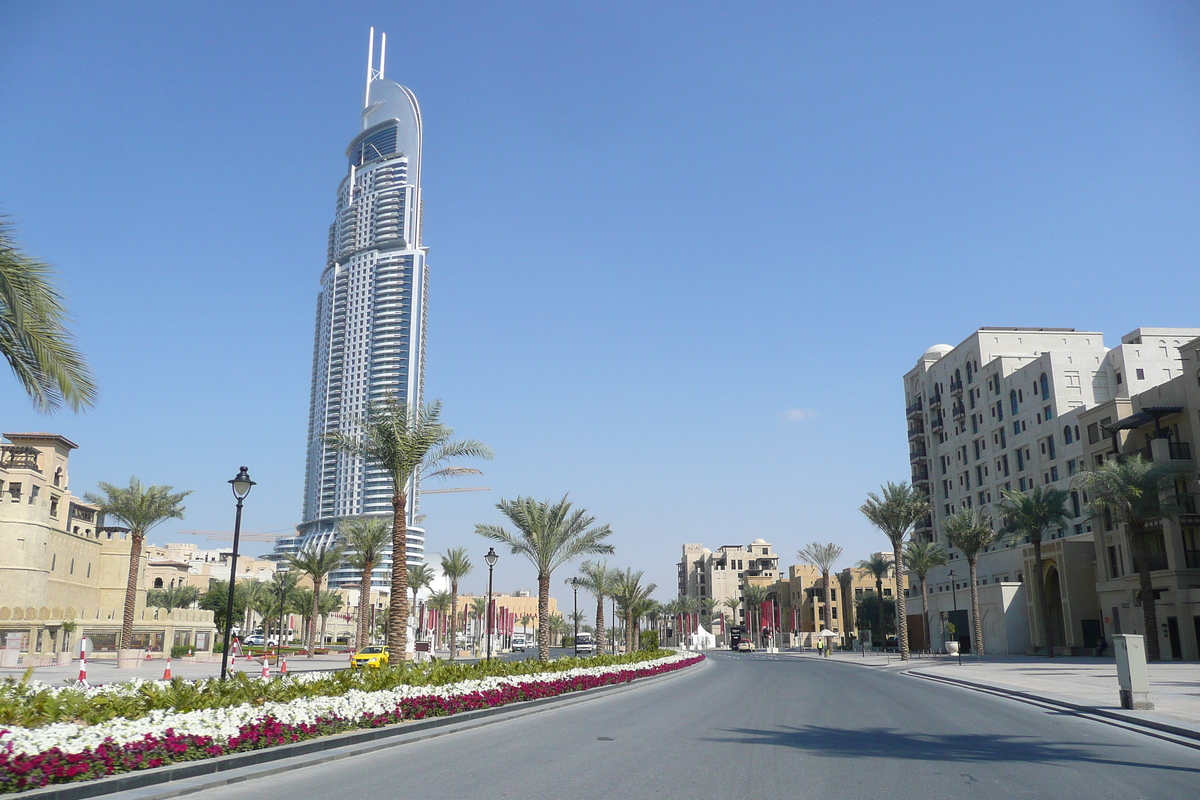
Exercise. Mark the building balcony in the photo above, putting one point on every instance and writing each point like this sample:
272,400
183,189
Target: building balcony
918,454
936,423
921,477
916,430
956,386
960,411
935,399
19,457
914,409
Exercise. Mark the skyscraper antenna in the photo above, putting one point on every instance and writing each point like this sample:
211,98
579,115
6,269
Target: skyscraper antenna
382,52
370,67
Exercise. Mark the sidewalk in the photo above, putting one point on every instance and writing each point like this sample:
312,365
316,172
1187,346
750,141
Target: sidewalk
1084,682
101,671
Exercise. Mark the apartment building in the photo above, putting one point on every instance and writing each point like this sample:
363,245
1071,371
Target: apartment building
1161,424
722,574
999,412
185,564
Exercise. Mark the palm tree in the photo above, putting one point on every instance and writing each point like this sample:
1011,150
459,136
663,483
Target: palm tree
479,611
596,577
141,508
1129,491
549,535
732,603
441,602
900,508
366,540
172,597
878,565
256,593
824,556
215,599
845,580
970,530
301,601
455,566
558,627
420,576
316,563
631,595
707,606
283,585
525,620
328,603
1029,517
921,558
409,444
755,595
33,335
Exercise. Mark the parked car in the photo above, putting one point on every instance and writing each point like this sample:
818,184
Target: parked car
745,646
258,640
373,655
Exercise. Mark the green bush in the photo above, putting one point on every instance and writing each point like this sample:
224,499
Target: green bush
649,640
568,641
179,651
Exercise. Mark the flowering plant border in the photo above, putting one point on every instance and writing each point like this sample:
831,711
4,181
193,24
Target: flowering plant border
66,752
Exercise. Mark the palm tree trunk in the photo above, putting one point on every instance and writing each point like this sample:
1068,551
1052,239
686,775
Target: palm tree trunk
629,630
543,616
453,617
879,595
398,607
131,584
901,605
1039,597
600,624
1137,539
925,617
975,621
827,614
364,603
312,620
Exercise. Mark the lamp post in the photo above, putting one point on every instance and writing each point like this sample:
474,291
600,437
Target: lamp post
490,558
575,613
282,600
954,599
614,626
241,487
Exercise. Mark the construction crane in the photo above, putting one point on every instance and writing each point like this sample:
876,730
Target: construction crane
268,536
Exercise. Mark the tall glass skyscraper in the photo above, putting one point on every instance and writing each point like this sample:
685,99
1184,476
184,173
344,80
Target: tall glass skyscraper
370,328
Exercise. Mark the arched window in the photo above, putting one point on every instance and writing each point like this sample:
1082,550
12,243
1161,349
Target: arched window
1045,386
1012,396
968,372
957,376
1067,435
58,476
158,583
1077,433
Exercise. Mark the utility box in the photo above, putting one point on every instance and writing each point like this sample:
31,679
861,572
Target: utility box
1132,675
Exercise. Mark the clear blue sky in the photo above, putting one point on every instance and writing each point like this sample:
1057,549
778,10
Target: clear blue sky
681,253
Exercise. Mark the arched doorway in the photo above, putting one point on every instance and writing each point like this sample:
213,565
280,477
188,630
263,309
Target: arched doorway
1053,593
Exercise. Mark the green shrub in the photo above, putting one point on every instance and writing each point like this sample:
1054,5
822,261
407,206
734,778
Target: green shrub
649,640
179,651
568,641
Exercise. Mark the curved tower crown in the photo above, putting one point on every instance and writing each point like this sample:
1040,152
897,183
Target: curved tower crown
370,330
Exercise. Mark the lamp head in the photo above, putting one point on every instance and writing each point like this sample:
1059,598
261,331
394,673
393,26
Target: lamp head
242,484
491,557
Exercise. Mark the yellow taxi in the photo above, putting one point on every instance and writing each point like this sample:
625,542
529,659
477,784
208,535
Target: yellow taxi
373,655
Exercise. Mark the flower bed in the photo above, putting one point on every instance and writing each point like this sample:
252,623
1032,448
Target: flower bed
67,751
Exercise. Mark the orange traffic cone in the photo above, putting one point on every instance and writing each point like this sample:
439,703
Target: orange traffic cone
266,671
283,668
167,671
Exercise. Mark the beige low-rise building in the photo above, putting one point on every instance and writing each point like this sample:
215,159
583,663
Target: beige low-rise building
59,564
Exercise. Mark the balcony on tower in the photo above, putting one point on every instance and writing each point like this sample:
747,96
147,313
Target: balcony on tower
914,409
956,386
916,429
960,410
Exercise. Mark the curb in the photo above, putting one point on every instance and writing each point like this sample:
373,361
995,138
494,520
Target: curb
195,776
1150,727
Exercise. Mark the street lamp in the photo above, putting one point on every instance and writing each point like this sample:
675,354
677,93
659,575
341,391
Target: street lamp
490,558
575,615
613,626
282,600
954,599
241,487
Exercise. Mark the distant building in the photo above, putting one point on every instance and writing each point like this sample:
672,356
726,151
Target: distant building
58,563
721,575
185,564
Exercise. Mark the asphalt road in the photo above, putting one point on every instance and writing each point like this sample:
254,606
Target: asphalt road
756,726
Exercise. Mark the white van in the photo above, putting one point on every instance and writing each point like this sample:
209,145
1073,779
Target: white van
585,644
518,643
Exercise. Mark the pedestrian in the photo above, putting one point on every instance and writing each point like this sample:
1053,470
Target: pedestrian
1101,646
